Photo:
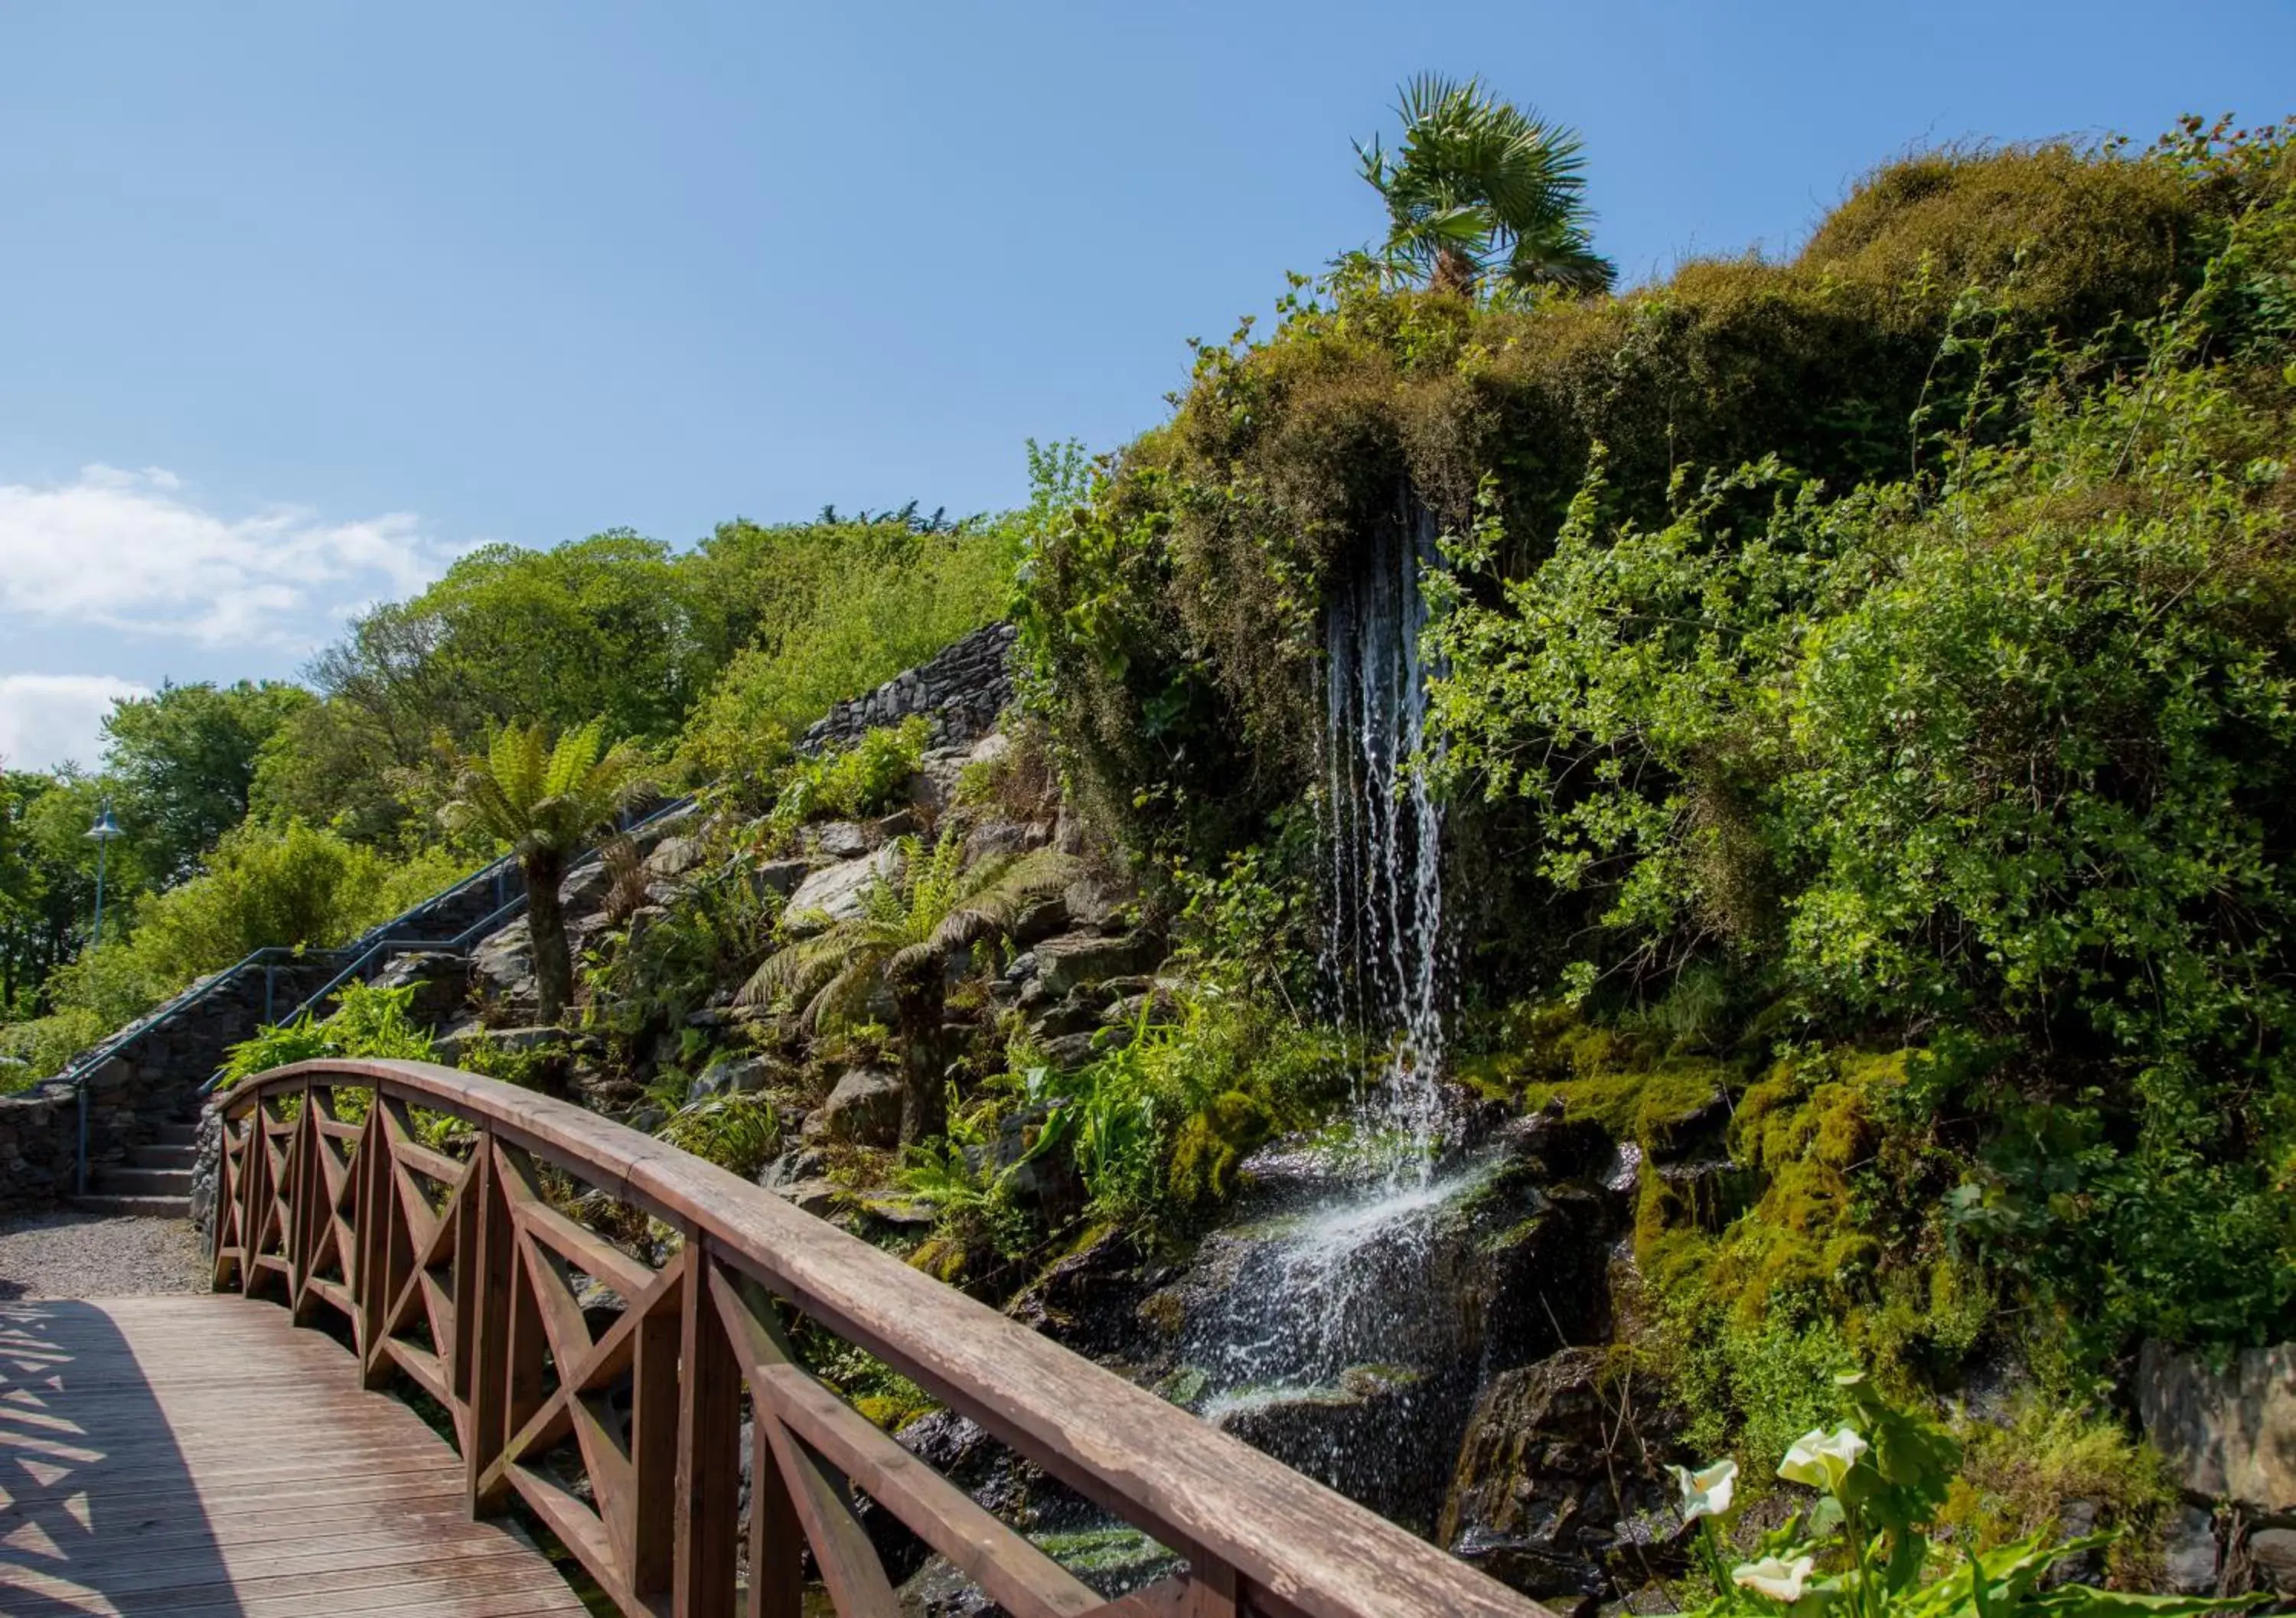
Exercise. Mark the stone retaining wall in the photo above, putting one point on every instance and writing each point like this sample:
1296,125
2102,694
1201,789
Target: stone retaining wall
154,1079
961,691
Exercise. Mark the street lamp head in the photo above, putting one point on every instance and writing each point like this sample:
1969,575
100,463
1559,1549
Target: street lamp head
105,828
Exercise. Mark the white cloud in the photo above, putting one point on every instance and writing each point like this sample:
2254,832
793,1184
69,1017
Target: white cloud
46,718
132,550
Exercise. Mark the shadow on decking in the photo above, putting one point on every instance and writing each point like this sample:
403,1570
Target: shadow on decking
98,1512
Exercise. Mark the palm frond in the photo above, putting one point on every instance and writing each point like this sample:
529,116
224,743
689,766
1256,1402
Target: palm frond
1004,889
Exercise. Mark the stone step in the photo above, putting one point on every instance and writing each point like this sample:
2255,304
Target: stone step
184,1135
143,1182
149,1207
162,1156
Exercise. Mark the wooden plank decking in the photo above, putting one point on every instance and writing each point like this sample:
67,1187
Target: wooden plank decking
199,1456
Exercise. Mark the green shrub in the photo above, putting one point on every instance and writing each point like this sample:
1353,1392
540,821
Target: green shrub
367,1022
1171,618
739,1132
866,776
870,612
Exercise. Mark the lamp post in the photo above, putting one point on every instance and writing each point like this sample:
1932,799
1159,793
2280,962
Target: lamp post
101,833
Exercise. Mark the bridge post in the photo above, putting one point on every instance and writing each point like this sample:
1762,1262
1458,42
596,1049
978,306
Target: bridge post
485,1300
709,1445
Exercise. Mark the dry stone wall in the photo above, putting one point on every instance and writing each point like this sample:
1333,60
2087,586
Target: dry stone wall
961,691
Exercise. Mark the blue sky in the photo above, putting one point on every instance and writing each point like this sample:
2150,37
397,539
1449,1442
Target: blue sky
296,302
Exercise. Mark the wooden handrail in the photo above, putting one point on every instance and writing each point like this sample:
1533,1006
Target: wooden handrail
455,1272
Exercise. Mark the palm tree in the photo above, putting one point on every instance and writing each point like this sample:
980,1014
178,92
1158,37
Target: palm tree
543,801
1481,191
900,944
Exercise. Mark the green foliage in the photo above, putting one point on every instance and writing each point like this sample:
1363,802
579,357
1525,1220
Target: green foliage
2018,1474
909,926
738,1131
1866,1549
261,888
1171,621
1479,193
544,798
643,977
933,905
367,1022
182,763
1158,1124
852,611
2009,752
40,1046
863,777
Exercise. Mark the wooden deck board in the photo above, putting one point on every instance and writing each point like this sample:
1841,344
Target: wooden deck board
201,1455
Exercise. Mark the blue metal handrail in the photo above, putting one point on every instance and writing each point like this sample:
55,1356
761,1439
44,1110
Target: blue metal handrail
369,946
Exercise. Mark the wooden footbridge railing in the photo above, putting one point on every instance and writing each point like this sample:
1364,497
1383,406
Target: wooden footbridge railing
459,1269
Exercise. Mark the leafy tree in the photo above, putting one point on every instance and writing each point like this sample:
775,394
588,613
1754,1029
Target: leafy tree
543,801
1482,191
900,945
181,762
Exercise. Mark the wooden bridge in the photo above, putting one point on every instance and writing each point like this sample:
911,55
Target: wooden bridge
202,1456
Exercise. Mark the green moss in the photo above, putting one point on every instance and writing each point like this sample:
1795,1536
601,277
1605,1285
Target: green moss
2017,1475
1647,1105
1209,1144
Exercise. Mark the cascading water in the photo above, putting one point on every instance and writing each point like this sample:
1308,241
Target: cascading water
1385,956
1333,1325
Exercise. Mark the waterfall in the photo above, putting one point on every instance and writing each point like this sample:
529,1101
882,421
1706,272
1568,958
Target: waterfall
1336,1324
1385,956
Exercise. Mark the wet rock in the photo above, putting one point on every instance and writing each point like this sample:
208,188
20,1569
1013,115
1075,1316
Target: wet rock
1557,1148
1342,1436
865,1110
1540,1497
601,1306
937,1591
1048,1182
835,891
1088,1298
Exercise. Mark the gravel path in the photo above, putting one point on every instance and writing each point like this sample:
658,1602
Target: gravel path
69,1254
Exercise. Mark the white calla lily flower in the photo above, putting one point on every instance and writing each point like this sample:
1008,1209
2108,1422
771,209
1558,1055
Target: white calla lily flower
1774,1577
1822,1460
1706,1493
